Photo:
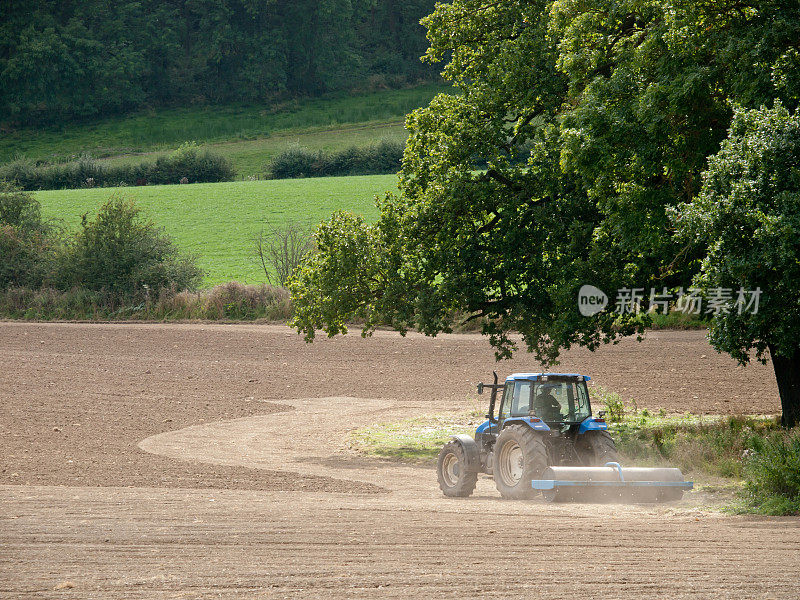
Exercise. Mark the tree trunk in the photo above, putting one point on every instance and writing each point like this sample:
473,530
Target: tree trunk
787,374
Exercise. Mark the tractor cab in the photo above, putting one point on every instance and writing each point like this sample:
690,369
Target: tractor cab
542,400
554,398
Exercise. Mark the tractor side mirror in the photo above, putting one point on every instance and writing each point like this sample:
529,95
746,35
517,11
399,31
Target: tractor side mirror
480,388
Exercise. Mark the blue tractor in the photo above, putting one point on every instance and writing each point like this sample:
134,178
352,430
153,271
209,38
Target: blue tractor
544,438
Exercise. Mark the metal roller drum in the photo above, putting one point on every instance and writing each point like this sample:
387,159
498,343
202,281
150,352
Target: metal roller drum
611,483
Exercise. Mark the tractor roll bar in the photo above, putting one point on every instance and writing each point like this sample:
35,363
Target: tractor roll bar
493,398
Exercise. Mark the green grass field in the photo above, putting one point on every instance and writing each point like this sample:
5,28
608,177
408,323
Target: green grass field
246,130
217,221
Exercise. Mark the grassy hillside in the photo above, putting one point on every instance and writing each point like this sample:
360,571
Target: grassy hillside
246,131
249,157
217,221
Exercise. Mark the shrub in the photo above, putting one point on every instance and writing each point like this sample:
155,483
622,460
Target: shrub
679,320
191,164
772,473
384,157
612,402
120,253
21,171
19,209
27,245
294,163
692,443
26,258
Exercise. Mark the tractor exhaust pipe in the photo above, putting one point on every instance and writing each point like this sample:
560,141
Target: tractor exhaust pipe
611,483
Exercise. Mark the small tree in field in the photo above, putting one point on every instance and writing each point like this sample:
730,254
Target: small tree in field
122,253
747,216
280,249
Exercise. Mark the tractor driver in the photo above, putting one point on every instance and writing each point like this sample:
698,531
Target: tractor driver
545,406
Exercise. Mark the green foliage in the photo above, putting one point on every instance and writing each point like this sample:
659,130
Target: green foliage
188,163
344,257
217,221
25,173
248,156
295,163
24,257
478,242
747,218
67,60
120,253
678,320
772,472
19,209
612,402
375,159
27,244
20,172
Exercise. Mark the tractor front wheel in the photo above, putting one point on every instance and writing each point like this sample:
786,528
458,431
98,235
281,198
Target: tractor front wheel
454,479
520,456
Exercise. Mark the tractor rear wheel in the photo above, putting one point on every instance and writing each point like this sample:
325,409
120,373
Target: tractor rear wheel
454,479
519,457
596,448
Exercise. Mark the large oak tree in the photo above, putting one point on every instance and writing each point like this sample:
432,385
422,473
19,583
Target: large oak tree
575,129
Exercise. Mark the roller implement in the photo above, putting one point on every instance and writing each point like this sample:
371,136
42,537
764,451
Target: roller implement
545,440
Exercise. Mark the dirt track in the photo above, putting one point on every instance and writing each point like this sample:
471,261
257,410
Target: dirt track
204,461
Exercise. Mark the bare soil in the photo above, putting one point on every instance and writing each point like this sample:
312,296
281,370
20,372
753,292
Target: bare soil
211,461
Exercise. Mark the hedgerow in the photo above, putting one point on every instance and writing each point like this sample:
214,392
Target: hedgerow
187,164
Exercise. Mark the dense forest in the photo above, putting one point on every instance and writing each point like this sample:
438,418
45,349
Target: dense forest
77,59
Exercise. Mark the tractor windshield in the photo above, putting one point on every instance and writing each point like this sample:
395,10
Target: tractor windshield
564,401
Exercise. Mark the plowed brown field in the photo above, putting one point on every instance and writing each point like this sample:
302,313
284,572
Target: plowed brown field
211,461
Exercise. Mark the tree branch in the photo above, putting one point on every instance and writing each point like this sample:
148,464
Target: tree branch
499,177
486,227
